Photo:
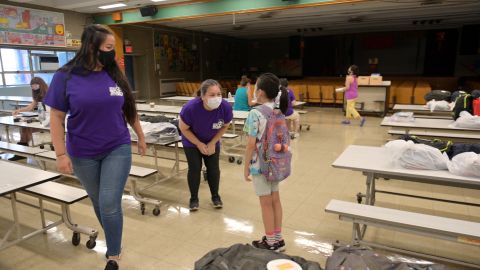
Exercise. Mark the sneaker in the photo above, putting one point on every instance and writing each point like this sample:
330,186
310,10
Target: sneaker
281,245
217,202
193,204
111,265
262,244
362,122
346,122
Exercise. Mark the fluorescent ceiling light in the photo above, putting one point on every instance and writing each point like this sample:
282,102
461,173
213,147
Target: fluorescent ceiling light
113,6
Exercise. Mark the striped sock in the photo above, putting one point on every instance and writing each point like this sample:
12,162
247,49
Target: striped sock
278,235
270,239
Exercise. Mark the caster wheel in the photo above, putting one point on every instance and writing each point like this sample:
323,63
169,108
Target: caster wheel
300,128
359,198
52,148
308,128
205,176
239,161
142,208
76,239
156,211
292,137
231,159
91,243
42,146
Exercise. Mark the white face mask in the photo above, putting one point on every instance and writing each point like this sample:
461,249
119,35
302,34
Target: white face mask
214,102
35,86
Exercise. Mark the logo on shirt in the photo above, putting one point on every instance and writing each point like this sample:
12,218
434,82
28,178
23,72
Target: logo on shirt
116,91
219,124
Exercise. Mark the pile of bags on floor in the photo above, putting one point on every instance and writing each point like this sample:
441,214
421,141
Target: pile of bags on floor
157,129
411,152
241,257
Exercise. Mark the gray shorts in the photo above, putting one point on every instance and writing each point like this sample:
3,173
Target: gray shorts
262,186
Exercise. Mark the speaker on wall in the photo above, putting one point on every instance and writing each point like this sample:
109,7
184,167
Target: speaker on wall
148,11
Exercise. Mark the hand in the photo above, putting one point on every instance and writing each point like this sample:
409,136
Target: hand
246,174
203,148
211,147
64,164
142,147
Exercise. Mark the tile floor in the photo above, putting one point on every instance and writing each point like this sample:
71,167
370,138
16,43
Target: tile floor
176,238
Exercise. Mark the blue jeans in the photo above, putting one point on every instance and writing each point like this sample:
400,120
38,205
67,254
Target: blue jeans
104,178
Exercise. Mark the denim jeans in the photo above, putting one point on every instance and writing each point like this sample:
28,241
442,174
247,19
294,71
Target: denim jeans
104,178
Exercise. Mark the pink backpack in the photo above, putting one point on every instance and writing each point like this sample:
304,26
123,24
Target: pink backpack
274,156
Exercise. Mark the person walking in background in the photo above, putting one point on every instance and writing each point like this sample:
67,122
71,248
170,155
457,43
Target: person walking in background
351,94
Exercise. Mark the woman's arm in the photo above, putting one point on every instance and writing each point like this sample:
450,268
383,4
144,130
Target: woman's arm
57,131
216,138
187,133
28,108
142,146
251,141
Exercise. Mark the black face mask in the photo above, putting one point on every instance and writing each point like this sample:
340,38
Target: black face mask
106,58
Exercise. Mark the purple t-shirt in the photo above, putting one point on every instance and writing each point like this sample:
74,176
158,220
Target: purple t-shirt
205,124
291,98
96,123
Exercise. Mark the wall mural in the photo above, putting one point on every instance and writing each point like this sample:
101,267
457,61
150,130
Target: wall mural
179,52
25,26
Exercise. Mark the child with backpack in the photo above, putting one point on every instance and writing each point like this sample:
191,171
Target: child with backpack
267,155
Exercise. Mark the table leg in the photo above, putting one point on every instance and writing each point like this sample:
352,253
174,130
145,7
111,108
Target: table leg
13,200
7,132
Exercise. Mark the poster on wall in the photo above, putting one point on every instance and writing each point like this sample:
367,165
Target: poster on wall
177,52
32,27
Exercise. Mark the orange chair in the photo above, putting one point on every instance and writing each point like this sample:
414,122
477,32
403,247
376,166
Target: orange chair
303,89
419,93
328,94
404,93
314,94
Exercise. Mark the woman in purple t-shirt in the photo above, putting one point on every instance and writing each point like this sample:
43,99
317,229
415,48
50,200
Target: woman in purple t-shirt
203,121
95,93
351,94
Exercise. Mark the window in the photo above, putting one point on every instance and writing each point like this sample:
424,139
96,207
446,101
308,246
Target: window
19,66
15,60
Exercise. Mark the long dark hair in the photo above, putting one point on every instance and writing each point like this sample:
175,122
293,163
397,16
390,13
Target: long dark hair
270,84
43,88
86,60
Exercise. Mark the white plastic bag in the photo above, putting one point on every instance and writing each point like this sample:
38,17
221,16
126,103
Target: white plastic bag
466,120
465,164
434,105
412,156
156,132
402,117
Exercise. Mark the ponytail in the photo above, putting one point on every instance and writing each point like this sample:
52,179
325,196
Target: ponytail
283,106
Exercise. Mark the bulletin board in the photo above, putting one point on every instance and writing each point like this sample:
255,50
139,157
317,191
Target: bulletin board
177,51
32,27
